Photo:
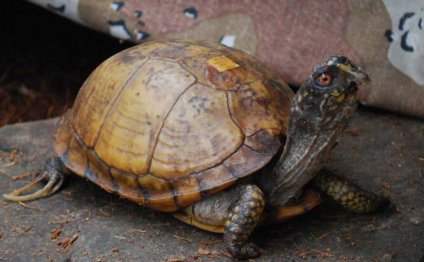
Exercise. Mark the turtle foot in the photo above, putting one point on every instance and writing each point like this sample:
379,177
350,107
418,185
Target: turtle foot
50,173
242,218
248,251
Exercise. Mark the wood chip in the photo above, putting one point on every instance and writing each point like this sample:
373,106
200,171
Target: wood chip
66,243
322,253
21,176
206,243
55,233
322,236
202,251
31,207
137,230
182,238
26,228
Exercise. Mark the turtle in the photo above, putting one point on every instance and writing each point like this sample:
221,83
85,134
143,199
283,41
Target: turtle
210,134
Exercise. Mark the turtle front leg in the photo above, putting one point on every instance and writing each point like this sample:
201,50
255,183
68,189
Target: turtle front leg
234,212
243,217
53,172
350,196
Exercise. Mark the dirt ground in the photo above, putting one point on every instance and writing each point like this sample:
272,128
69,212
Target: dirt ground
44,60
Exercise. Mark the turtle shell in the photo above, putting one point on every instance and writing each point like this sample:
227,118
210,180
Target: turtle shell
168,123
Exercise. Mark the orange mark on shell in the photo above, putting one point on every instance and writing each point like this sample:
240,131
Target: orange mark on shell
222,63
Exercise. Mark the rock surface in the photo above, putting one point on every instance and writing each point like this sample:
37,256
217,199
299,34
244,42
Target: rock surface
380,151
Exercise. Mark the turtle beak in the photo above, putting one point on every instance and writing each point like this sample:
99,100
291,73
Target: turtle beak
357,74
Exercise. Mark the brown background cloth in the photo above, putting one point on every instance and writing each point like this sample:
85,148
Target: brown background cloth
290,36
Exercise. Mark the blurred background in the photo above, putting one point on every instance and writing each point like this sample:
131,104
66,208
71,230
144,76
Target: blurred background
44,59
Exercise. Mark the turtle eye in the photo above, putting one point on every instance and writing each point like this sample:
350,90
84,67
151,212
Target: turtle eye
324,79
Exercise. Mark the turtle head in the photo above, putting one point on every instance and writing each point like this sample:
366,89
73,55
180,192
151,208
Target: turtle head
329,94
320,111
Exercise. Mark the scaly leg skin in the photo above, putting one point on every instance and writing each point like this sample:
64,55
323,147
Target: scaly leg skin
243,217
53,172
350,196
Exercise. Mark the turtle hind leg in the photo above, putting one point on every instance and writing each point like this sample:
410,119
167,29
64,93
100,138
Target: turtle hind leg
53,172
350,196
243,217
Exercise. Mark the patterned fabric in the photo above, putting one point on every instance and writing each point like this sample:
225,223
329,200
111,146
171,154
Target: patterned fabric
383,36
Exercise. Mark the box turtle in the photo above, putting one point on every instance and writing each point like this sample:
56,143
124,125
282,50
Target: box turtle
197,129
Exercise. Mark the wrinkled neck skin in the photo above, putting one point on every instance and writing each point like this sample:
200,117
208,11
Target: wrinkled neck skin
311,135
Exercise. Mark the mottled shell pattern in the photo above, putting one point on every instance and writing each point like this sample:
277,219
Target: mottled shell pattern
168,123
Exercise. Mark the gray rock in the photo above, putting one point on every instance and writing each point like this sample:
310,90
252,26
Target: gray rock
380,151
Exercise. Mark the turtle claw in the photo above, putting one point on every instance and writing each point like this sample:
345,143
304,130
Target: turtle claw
54,179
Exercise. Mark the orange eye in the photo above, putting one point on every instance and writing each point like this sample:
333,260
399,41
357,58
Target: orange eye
324,79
